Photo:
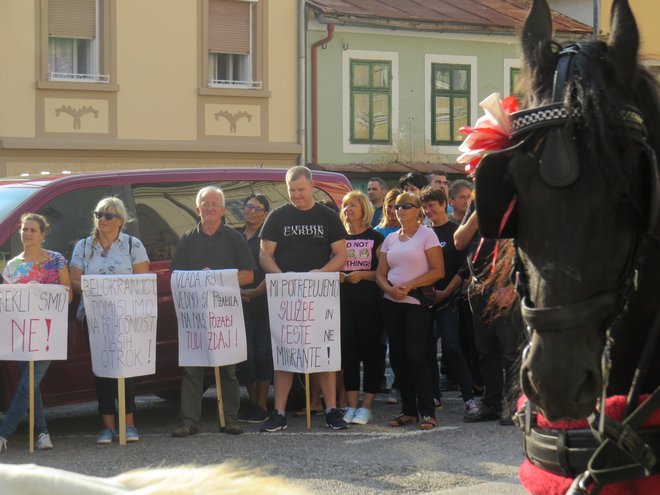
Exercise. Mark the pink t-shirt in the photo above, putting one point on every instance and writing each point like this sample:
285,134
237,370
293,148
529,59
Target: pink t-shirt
407,259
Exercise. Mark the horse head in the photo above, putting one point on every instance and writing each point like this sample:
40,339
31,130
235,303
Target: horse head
584,178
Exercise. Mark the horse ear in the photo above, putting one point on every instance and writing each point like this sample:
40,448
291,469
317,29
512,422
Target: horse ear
624,40
537,30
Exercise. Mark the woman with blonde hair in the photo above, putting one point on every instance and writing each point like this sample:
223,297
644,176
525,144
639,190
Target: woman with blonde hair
389,222
108,251
410,259
361,318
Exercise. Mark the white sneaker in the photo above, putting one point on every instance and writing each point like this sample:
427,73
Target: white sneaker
43,442
349,414
3,445
362,416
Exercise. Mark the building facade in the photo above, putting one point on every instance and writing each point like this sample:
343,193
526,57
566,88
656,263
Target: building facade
396,85
111,85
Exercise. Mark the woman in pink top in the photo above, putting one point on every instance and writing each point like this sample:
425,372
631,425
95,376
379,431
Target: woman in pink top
410,258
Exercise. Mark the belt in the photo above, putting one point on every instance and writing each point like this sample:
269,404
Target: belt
567,452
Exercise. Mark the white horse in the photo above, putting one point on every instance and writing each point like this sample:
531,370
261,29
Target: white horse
226,479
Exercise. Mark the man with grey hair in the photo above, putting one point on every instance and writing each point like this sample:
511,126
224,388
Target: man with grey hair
376,190
460,194
302,236
211,246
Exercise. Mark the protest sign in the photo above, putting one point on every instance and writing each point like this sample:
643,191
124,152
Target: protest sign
210,314
121,313
304,321
33,322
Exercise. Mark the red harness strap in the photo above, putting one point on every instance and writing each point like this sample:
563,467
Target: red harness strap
537,481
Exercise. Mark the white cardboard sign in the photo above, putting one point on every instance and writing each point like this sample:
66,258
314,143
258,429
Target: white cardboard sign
209,311
33,322
121,312
304,318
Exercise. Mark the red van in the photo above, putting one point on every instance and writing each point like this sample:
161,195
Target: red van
162,204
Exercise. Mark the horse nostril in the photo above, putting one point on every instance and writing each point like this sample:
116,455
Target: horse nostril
589,385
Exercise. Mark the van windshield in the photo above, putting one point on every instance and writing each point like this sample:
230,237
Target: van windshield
11,197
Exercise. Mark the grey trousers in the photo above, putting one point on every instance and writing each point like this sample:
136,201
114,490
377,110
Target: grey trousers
191,393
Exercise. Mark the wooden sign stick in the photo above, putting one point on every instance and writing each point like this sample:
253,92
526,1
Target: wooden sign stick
31,413
121,399
218,389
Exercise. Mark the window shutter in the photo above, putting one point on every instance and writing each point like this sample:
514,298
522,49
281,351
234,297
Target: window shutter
72,19
229,27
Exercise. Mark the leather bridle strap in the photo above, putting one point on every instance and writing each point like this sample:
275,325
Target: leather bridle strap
569,316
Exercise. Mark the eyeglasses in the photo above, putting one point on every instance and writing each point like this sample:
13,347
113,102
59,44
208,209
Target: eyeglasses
405,206
105,214
204,204
255,208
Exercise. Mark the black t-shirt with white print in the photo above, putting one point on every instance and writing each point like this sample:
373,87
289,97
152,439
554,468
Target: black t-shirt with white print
303,237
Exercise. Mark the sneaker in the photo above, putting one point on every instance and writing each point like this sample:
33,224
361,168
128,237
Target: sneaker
471,408
362,416
132,434
255,415
105,436
484,413
438,403
3,445
394,397
334,420
350,414
43,442
275,422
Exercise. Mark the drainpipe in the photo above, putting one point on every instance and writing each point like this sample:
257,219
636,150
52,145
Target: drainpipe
315,90
302,83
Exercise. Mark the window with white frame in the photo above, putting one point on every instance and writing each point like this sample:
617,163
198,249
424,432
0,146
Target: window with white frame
74,40
371,101
231,43
450,102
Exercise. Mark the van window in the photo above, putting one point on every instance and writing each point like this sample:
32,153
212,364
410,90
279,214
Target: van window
70,219
11,197
166,211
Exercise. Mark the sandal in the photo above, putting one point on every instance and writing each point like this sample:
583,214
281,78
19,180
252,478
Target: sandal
403,420
427,423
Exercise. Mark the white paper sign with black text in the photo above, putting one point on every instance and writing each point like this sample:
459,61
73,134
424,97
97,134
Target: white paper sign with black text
304,321
121,312
33,322
209,311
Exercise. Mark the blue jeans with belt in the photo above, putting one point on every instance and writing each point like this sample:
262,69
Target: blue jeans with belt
21,401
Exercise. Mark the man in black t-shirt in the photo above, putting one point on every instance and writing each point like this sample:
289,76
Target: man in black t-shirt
302,236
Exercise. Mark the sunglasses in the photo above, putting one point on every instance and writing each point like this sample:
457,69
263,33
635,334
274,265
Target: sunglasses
405,206
105,214
254,208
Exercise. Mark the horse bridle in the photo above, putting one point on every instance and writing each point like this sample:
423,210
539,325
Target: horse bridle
559,167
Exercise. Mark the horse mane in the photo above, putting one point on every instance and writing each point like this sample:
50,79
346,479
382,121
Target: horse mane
599,92
227,478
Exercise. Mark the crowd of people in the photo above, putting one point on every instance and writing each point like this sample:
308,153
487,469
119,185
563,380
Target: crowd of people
413,271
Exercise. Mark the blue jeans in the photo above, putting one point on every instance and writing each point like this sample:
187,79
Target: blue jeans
21,401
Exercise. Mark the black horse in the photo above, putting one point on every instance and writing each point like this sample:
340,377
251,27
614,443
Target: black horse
579,193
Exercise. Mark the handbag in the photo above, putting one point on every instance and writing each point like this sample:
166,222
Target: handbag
424,294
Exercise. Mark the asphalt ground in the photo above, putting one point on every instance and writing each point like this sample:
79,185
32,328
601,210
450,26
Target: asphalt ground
454,458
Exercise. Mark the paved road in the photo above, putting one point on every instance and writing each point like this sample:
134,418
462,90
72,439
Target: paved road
455,458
